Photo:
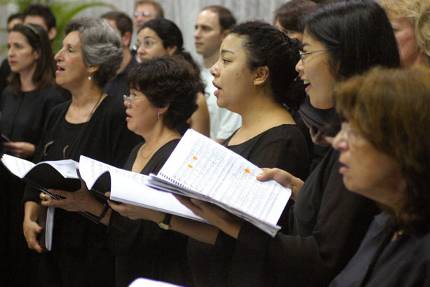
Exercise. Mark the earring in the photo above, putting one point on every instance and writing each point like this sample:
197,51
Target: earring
158,115
89,78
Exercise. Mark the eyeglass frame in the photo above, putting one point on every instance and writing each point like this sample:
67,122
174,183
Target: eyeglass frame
303,55
147,43
142,14
130,98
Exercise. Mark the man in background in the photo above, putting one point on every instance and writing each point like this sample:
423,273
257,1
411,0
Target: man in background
121,22
41,15
212,26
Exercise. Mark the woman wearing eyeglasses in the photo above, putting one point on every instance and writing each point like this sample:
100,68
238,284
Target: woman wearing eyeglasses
384,156
161,37
91,124
24,106
328,222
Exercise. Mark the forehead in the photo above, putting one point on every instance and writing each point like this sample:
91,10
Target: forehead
148,32
310,41
233,44
146,7
14,22
17,36
72,39
37,20
208,18
112,23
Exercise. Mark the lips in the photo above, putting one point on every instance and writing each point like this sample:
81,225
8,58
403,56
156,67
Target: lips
218,89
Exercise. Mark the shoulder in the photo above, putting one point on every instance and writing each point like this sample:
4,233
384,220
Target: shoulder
286,133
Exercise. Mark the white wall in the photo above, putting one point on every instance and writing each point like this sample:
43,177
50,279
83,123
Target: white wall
183,12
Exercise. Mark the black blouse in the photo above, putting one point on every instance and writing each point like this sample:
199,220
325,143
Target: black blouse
142,249
105,138
23,115
329,224
283,147
403,262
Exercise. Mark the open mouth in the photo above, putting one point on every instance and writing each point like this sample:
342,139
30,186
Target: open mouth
60,69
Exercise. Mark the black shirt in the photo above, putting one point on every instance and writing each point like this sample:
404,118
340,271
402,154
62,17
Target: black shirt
283,147
118,86
23,114
329,224
142,249
403,262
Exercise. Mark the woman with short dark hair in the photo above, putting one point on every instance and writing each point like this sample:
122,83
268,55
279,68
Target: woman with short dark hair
162,37
385,156
91,124
162,99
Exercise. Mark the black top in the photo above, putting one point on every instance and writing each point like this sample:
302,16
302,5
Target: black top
283,147
23,115
404,262
143,249
118,86
4,74
329,224
105,138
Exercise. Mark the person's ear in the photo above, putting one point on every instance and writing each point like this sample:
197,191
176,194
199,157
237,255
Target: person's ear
52,33
92,69
261,74
126,39
171,50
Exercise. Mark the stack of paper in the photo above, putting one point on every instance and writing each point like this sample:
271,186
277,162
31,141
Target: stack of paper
202,169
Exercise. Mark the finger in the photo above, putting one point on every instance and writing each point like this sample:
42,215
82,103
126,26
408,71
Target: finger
194,208
59,192
267,174
33,243
107,194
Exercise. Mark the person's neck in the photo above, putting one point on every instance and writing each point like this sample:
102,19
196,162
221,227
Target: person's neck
159,136
26,79
85,94
209,61
263,112
126,59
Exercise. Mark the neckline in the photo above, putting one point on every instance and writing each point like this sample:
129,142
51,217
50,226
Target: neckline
256,136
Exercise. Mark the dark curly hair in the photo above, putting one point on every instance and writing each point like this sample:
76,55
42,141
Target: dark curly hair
391,109
167,82
267,46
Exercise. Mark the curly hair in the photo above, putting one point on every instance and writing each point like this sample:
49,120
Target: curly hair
391,109
100,44
267,46
168,82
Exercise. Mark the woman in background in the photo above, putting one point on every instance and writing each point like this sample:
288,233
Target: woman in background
24,106
411,24
161,37
385,156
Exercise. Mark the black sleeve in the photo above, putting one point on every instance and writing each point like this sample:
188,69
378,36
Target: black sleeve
306,260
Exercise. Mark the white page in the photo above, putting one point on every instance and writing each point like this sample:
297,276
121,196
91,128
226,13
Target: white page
20,167
200,164
49,227
130,187
141,282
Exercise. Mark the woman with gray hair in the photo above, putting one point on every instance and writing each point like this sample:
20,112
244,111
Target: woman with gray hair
91,124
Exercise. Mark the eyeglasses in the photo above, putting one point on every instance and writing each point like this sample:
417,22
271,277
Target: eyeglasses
142,14
303,55
147,43
131,98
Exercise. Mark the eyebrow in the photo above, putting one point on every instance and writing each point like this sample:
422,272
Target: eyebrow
223,51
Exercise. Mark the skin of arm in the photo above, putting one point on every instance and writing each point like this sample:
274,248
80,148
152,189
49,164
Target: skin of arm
31,228
200,118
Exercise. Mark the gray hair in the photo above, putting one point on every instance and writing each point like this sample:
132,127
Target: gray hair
101,46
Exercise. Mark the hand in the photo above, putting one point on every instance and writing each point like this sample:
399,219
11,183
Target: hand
136,212
283,178
31,231
20,149
76,201
216,216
